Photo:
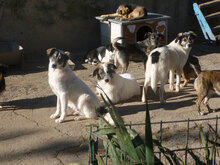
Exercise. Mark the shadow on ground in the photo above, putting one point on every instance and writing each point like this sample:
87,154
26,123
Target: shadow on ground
32,103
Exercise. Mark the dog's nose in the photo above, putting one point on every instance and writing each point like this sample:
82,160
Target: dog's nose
106,80
54,66
189,45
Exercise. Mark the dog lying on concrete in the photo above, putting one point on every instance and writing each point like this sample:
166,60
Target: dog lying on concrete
100,54
118,87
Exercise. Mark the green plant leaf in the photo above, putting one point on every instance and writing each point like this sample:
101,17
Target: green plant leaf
100,160
204,143
148,138
171,157
196,158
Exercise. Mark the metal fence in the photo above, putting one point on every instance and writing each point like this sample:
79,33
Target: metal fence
161,124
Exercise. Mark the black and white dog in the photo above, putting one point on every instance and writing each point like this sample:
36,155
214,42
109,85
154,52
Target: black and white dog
134,51
171,57
69,89
118,87
100,54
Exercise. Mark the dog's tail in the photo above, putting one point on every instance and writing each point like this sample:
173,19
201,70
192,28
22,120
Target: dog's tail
115,44
196,68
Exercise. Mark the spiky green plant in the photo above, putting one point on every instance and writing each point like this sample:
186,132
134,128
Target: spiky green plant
124,146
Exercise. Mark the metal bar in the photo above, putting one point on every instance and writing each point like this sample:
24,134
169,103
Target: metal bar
90,157
130,124
187,140
106,154
175,121
184,149
161,127
216,135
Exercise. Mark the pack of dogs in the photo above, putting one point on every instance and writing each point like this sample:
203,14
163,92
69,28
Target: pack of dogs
161,63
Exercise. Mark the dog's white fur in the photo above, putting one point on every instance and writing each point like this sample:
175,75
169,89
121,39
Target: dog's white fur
109,57
172,59
73,92
120,87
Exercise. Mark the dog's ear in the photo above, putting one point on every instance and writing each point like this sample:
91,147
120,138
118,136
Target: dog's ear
192,34
50,51
161,36
179,36
112,66
146,35
67,53
95,72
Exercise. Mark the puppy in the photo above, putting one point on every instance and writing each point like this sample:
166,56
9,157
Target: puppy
151,41
171,57
69,89
188,71
127,12
205,85
134,51
100,54
118,87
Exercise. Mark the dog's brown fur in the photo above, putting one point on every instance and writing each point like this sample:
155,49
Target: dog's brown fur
188,71
138,13
206,84
125,12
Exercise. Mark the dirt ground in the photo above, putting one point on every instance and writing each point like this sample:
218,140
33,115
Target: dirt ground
28,136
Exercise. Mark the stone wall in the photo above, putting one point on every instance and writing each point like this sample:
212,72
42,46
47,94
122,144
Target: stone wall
70,24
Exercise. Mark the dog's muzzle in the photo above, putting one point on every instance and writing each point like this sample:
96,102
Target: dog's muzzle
106,80
189,45
54,66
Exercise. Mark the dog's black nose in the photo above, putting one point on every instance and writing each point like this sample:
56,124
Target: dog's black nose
106,80
54,66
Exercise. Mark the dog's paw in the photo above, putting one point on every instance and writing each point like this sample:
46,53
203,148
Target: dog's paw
162,102
211,110
143,99
201,113
53,116
76,113
77,118
59,120
182,85
171,87
177,89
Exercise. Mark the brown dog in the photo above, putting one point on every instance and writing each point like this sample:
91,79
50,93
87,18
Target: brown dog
206,84
188,71
138,13
127,12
